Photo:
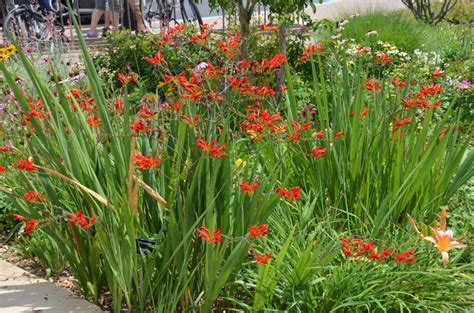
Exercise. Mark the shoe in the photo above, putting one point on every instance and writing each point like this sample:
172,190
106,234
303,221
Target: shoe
92,35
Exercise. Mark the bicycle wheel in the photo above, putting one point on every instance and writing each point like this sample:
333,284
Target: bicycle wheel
190,12
152,11
31,30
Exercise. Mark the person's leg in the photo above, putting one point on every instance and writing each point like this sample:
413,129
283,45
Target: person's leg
135,4
96,15
108,18
114,8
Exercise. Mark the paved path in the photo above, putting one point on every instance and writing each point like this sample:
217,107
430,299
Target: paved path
21,291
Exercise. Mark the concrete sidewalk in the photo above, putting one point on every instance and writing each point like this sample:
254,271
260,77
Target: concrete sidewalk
21,291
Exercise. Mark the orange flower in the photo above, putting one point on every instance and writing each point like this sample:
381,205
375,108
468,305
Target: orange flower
407,257
144,163
34,197
191,123
292,194
372,85
249,188
311,50
31,226
127,79
27,165
437,74
158,59
93,121
2,170
398,84
258,231
208,236
364,112
139,126
18,217
211,148
319,134
318,152
80,220
442,238
263,259
339,134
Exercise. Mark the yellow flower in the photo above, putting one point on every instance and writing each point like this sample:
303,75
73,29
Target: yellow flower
162,84
252,134
7,52
240,163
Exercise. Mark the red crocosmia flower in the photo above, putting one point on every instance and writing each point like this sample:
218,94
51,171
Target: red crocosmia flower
319,134
347,249
310,51
147,113
383,58
139,126
384,254
214,237
2,170
339,134
18,217
318,152
364,112
294,138
268,27
399,124
292,194
214,150
76,93
398,84
4,149
406,257
362,50
215,96
431,90
26,165
201,39
359,249
158,59
249,188
372,85
193,96
144,163
437,75
191,123
34,197
93,121
127,79
119,105
80,220
263,259
258,231
31,226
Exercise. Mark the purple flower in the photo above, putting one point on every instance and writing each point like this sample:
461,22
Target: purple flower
465,84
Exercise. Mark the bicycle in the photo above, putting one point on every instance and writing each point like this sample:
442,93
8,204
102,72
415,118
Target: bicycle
166,11
30,26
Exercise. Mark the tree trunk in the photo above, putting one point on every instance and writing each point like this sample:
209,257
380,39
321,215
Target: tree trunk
244,19
282,49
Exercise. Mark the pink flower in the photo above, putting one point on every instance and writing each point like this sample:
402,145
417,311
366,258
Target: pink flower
465,84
